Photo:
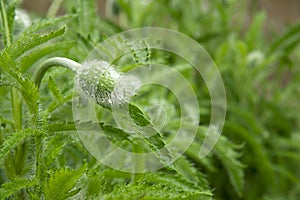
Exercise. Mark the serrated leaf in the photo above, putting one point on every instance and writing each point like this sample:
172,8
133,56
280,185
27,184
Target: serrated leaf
53,148
54,90
46,23
159,185
95,185
11,141
260,157
30,94
225,151
188,171
174,180
110,131
9,188
155,142
61,183
5,79
138,115
27,88
26,61
28,42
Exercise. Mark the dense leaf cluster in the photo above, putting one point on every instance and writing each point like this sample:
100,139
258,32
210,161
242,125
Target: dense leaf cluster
257,156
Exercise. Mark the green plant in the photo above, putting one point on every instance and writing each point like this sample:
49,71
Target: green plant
41,155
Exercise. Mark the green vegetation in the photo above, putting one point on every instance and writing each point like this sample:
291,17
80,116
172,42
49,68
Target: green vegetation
256,157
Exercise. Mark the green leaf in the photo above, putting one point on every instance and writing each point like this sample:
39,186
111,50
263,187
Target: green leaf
141,120
95,185
288,40
9,188
28,42
87,16
190,173
158,185
31,57
173,180
27,88
154,139
254,35
258,153
155,142
110,131
11,141
61,183
53,148
138,115
225,151
46,23
30,94
5,79
54,90
126,7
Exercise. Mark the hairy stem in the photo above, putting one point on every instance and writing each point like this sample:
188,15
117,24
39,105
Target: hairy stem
38,161
5,24
20,156
51,62
54,62
16,109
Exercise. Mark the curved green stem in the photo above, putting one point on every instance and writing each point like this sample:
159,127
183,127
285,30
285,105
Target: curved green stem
53,62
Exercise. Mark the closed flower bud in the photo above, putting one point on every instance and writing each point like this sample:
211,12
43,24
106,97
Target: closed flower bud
96,80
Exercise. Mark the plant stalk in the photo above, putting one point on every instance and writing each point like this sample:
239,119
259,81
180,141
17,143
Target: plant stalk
20,156
53,62
52,11
5,24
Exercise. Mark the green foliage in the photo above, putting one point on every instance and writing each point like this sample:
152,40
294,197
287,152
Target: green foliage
256,157
8,20
28,42
14,139
25,86
61,183
54,90
159,186
15,185
226,153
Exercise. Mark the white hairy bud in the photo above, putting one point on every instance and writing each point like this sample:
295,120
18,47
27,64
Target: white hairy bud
97,79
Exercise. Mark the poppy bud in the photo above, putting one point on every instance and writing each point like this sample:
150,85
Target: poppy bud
97,79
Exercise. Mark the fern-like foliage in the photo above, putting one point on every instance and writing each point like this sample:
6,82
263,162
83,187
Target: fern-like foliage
23,44
14,139
60,185
41,155
159,185
15,185
226,153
